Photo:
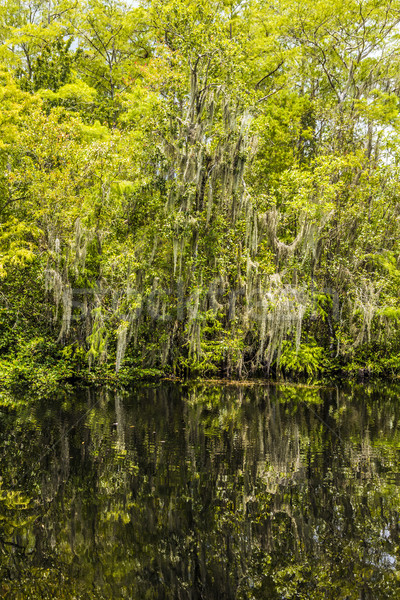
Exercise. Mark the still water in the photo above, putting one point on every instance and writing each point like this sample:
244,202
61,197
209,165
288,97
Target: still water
202,492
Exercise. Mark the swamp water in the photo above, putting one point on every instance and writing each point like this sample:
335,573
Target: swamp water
208,492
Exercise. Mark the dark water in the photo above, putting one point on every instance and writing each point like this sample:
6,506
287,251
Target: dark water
209,492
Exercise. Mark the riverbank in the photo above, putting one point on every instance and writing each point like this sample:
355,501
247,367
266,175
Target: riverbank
45,374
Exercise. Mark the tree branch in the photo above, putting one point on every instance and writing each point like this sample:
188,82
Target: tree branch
268,75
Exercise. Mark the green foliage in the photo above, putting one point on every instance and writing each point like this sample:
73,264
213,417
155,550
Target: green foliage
51,69
307,360
201,188
97,340
17,245
216,347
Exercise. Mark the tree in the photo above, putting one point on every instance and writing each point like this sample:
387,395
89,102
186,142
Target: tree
112,37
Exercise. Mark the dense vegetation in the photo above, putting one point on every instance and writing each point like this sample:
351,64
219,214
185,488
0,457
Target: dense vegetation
198,188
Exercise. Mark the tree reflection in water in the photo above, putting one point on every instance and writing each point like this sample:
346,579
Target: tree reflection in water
202,492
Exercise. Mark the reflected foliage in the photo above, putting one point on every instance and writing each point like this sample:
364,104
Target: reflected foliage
202,492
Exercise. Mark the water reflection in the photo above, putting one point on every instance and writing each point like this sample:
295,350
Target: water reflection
209,492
